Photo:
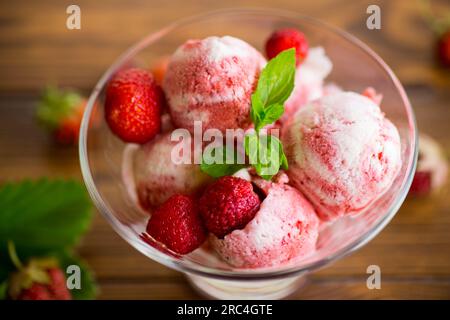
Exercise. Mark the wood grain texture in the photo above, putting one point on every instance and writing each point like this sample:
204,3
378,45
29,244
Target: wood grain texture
36,48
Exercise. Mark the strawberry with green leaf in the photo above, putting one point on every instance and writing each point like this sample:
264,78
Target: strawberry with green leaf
60,112
439,22
39,279
45,220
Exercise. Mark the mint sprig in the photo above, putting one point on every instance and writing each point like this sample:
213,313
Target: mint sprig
265,152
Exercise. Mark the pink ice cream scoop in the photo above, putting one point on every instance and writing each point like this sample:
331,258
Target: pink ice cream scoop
211,81
342,152
284,228
155,171
309,81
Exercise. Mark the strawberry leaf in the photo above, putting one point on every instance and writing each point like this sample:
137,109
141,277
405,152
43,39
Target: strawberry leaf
43,216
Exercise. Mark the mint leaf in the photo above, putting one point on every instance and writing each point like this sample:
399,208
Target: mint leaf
269,157
88,290
271,114
251,146
275,84
265,154
257,110
43,216
210,166
284,161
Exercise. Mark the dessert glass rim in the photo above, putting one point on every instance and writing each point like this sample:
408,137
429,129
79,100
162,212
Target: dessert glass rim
244,274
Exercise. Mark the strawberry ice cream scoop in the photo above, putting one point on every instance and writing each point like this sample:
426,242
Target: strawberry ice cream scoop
285,227
211,81
343,154
153,172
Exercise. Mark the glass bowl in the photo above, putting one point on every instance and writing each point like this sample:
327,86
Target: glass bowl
355,67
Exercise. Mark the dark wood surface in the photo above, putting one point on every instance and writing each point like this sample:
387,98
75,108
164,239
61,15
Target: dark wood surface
36,49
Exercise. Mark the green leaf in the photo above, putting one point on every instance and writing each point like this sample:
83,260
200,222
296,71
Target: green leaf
271,114
276,81
265,154
284,160
3,290
88,290
275,85
251,146
257,110
42,216
216,170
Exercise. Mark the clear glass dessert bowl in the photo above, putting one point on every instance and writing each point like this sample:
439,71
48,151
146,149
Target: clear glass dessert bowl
355,67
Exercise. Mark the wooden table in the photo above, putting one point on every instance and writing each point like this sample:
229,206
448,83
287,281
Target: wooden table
36,48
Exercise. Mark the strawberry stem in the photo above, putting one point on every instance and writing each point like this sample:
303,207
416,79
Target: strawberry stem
13,255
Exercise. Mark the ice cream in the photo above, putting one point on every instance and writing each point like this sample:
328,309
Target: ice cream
342,152
284,228
211,80
152,173
309,81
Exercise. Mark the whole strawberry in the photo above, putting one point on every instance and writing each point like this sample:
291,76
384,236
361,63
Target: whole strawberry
177,224
61,112
133,105
284,39
39,279
432,169
421,184
228,204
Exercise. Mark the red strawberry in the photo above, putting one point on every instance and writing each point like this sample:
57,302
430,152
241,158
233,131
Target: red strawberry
228,204
61,112
177,224
58,286
421,184
284,39
37,291
432,168
133,105
443,49
50,287
40,279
